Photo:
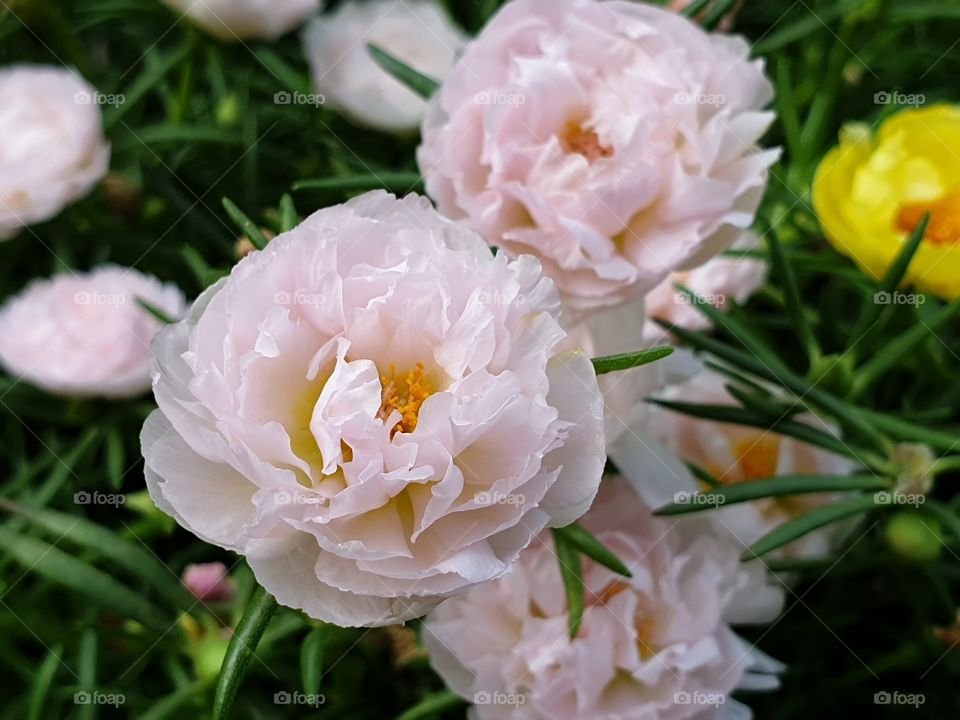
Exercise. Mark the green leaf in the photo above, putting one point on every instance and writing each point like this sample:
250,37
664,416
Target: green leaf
245,224
888,284
114,457
140,562
586,543
625,361
808,522
418,82
144,83
87,665
900,346
570,571
240,651
311,659
905,430
172,705
794,305
752,418
695,8
946,515
775,487
155,311
400,183
42,683
288,214
845,414
716,13
55,565
734,329
432,704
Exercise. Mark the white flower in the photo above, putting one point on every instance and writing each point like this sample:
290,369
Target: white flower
241,19
656,646
418,32
373,410
85,334
52,149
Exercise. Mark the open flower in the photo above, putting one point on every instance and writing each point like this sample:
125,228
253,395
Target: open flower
647,645
241,19
734,454
418,32
871,191
84,334
616,141
373,411
718,282
52,149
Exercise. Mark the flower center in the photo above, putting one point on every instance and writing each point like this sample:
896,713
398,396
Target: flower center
583,141
404,393
757,458
944,225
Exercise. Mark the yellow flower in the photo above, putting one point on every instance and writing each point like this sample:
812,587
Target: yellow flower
870,192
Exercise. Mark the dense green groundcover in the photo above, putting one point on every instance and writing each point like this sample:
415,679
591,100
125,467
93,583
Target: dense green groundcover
89,595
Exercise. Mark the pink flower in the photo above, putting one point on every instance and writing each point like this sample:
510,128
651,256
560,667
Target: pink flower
52,149
646,644
374,412
718,282
616,141
209,582
731,454
85,334
418,32
241,19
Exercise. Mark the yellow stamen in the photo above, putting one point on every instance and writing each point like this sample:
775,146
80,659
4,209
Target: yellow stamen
757,458
944,225
405,394
583,141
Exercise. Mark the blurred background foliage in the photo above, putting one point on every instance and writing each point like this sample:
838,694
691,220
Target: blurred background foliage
89,593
